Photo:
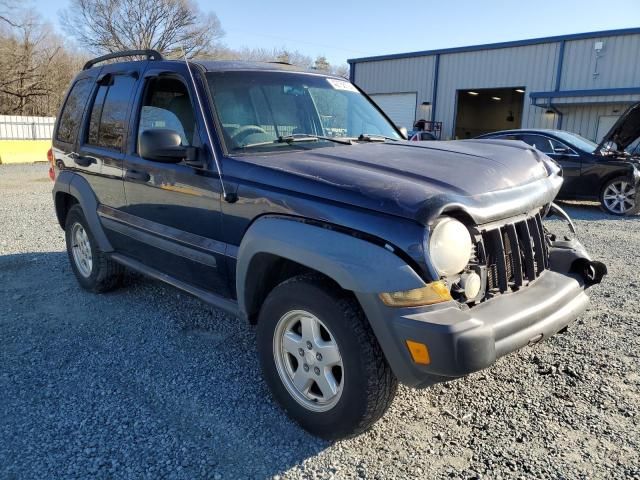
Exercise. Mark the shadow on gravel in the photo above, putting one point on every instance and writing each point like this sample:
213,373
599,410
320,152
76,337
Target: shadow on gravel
142,382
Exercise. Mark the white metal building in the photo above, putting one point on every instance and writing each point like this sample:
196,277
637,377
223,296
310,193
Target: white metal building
580,82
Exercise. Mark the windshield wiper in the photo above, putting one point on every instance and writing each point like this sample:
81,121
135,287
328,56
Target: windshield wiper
300,137
372,137
309,137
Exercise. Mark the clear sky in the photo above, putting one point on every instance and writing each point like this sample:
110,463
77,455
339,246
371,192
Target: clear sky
349,29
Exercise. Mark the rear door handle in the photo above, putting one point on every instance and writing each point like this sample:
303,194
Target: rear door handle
137,175
83,161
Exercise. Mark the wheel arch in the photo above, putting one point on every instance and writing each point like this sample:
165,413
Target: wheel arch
276,248
70,189
631,173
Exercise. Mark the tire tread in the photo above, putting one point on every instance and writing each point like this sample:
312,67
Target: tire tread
108,273
382,384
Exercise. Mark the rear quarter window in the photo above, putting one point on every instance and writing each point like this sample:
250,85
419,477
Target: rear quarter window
71,115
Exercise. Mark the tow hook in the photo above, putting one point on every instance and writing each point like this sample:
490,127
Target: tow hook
591,270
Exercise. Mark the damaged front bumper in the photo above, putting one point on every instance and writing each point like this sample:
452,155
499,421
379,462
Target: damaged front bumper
464,340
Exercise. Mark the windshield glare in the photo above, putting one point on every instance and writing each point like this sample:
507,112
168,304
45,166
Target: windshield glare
577,141
255,109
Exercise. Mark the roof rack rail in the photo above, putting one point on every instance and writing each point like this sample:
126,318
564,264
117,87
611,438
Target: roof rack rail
150,54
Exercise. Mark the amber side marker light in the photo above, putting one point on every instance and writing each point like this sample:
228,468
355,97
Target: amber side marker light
434,292
419,352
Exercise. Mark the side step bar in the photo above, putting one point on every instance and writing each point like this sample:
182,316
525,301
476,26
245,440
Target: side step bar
229,306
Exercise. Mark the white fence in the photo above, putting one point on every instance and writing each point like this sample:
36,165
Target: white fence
17,127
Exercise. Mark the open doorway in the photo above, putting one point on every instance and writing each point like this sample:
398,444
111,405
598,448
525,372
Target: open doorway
488,110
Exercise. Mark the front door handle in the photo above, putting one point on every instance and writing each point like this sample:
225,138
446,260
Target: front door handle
137,175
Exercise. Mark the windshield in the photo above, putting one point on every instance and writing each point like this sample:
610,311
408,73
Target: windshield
265,111
577,141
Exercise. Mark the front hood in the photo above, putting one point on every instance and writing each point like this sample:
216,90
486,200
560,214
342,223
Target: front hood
413,179
624,132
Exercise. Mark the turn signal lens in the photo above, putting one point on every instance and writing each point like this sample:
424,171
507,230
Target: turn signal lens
50,158
419,352
434,292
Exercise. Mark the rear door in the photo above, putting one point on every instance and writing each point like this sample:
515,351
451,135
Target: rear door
100,152
69,121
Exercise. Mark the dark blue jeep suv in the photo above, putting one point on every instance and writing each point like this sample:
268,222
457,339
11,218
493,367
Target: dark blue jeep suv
289,199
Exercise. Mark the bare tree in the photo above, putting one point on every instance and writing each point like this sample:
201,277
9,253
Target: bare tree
282,54
7,11
168,26
341,70
35,66
321,63
293,57
25,55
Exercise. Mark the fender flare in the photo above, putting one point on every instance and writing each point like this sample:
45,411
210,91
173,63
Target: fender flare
629,170
353,263
76,186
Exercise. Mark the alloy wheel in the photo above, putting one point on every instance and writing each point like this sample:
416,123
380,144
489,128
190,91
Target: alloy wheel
308,360
619,197
81,249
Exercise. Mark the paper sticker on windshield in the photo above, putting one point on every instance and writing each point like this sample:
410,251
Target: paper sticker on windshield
341,85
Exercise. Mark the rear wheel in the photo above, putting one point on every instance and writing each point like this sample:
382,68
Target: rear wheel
93,269
619,197
321,359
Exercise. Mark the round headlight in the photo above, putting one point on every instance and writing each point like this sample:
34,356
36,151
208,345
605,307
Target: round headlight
449,246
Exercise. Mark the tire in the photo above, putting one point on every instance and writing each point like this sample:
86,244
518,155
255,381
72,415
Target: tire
93,269
364,381
619,197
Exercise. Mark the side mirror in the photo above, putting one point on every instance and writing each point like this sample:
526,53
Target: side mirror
162,145
561,150
404,132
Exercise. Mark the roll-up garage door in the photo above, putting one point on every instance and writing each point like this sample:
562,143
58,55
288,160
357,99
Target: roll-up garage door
399,107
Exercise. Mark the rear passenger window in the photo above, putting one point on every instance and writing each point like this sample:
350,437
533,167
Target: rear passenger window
71,115
107,123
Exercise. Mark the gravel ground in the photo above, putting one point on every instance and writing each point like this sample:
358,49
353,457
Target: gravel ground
150,382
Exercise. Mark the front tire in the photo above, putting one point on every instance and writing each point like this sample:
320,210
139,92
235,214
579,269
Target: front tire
93,268
619,197
321,359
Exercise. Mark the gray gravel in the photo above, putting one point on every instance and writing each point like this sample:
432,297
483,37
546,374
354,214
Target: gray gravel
149,382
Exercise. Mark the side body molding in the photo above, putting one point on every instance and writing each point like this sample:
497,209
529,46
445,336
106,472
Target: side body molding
355,264
76,186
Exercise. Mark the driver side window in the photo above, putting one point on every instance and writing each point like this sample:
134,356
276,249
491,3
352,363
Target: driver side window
167,105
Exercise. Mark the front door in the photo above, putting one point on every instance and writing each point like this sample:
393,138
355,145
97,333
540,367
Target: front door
173,209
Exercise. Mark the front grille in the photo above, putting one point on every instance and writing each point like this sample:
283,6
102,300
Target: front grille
514,254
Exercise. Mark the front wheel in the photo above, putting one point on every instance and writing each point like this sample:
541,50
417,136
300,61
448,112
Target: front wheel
618,197
321,359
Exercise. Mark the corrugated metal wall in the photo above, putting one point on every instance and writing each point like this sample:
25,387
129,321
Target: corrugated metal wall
399,76
583,119
532,66
618,65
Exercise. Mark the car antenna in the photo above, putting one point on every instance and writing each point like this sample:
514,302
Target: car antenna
228,196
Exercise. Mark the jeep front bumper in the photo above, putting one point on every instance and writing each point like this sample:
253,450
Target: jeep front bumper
464,340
